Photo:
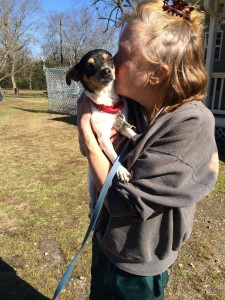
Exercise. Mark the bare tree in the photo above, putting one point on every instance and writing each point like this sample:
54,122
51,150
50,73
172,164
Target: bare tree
18,19
85,33
112,11
81,31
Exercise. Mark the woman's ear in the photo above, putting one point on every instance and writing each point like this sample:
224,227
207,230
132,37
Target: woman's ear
159,74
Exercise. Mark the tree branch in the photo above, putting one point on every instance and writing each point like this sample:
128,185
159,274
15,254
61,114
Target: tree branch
119,7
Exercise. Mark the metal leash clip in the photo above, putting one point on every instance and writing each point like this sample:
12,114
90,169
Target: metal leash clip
122,120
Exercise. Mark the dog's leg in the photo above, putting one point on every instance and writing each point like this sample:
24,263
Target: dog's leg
123,174
107,147
127,131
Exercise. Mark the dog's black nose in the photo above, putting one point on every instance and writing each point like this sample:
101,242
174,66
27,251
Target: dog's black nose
106,72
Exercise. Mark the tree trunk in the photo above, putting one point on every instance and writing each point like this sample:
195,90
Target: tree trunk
15,89
30,79
13,76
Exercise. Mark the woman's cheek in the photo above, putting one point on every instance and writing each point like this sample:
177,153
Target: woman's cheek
120,81
124,71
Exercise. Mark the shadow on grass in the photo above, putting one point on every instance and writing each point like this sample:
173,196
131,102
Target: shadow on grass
14,288
72,120
31,95
69,119
34,110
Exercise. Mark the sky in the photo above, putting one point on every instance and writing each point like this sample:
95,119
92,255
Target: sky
56,6
49,6
59,5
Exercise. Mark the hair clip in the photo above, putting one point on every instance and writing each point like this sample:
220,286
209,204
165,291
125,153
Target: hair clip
178,7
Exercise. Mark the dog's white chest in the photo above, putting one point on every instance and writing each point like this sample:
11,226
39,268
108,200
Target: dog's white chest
103,122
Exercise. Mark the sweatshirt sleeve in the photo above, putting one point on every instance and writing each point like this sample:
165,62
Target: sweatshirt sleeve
176,170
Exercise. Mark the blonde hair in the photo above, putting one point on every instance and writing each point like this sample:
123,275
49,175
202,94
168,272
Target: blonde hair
168,39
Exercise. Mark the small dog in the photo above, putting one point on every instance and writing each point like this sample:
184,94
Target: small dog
96,72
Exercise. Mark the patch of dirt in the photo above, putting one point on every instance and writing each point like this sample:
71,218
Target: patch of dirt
199,272
9,223
51,252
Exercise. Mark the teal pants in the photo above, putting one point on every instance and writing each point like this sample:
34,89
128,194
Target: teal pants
110,283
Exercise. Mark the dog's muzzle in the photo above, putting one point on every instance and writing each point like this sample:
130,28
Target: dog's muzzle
106,75
106,72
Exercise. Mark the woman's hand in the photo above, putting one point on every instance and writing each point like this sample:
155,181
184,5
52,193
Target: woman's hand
114,135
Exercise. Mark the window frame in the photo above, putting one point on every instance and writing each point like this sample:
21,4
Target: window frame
219,46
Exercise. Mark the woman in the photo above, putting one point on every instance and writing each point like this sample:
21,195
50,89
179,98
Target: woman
173,161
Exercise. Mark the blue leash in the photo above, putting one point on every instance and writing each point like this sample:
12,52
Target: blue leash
94,218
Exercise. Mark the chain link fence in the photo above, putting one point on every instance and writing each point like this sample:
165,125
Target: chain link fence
1,95
61,97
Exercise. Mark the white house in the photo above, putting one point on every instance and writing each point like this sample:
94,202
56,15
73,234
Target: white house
215,63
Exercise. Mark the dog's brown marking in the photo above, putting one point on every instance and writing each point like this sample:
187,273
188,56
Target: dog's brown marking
92,83
91,60
105,56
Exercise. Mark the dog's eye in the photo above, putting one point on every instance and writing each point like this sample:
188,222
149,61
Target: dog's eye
90,66
109,58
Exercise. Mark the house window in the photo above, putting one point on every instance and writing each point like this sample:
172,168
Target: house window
218,45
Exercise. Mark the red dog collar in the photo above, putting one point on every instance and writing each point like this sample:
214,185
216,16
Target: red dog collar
112,109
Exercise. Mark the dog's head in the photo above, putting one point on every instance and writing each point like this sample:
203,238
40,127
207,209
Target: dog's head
95,70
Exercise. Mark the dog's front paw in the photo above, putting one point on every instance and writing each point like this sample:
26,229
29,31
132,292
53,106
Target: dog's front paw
123,174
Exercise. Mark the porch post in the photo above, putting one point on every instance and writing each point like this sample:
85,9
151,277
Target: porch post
211,8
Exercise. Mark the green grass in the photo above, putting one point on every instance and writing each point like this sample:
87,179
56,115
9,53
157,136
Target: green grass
43,195
44,212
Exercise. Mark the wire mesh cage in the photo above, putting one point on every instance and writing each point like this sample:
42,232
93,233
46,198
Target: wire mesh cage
61,97
1,95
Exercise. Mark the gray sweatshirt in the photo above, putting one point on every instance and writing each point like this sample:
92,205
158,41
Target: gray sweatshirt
173,163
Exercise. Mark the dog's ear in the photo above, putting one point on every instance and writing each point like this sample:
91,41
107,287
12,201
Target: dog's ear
73,74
